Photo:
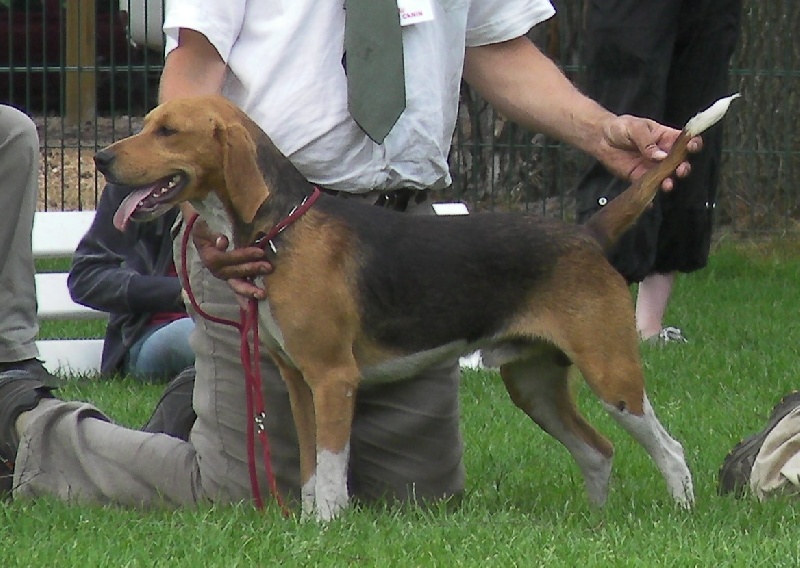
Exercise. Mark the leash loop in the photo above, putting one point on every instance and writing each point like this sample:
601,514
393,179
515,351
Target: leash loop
248,320
249,353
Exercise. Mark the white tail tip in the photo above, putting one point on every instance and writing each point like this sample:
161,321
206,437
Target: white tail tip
702,121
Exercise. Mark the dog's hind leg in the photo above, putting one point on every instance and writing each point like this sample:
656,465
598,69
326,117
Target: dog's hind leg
539,387
663,448
617,379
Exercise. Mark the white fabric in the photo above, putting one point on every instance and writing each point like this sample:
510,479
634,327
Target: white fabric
776,470
294,86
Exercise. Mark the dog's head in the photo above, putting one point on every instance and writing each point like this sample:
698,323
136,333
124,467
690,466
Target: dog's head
187,149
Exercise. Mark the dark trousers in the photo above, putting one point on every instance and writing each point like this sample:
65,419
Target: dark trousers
665,60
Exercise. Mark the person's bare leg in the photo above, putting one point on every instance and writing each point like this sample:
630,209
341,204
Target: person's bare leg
651,303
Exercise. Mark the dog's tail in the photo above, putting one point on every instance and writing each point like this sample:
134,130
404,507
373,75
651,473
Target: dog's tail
610,222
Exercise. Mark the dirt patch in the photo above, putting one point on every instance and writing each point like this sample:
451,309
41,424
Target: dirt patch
67,177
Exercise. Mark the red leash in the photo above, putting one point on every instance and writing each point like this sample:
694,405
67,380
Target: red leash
250,355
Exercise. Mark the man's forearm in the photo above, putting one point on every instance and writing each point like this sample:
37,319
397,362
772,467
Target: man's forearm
526,87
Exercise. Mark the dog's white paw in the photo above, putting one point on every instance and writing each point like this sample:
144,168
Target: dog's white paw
307,499
329,510
684,495
597,477
331,483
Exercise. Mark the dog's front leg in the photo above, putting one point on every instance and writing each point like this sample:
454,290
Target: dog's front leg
334,403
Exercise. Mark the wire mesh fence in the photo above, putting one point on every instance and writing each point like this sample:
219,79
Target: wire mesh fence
72,66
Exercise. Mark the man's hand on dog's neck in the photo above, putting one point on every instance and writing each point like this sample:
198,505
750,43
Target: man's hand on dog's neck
238,267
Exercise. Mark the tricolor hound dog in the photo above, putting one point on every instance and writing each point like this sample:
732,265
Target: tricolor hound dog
362,294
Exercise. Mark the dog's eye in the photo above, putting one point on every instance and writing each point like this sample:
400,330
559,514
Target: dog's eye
165,131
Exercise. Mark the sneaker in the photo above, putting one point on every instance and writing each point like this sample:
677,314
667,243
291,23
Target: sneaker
35,368
19,391
734,474
174,414
667,335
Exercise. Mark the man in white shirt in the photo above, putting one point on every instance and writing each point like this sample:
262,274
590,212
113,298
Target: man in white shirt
282,63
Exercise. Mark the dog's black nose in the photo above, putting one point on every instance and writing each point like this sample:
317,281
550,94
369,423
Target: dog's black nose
103,160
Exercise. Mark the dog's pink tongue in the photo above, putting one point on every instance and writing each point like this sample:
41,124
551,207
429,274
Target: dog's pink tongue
128,206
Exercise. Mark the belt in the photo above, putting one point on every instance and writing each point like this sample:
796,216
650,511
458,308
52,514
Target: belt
395,199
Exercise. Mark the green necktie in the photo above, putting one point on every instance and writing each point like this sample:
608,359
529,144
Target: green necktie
373,44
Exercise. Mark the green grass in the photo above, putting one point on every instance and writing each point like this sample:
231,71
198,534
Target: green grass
524,504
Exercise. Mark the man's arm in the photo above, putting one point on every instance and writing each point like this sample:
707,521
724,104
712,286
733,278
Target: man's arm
528,88
192,68
196,68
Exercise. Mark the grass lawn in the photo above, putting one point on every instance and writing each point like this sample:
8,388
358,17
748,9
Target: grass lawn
524,503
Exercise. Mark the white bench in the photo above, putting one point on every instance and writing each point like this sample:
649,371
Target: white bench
56,235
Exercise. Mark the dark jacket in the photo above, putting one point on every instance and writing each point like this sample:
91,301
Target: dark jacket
124,274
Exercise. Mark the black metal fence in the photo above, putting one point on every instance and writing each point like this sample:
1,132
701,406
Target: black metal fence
72,67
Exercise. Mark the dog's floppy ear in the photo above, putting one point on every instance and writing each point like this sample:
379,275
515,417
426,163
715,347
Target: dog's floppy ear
243,179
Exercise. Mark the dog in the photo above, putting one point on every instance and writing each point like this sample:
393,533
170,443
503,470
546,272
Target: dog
361,294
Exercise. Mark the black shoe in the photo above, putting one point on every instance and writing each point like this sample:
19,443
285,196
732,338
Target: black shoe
734,475
174,414
35,368
19,391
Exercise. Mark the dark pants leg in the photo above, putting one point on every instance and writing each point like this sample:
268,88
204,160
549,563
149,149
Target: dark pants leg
665,60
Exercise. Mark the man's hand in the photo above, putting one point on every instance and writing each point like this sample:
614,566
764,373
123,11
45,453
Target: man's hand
236,266
528,88
632,145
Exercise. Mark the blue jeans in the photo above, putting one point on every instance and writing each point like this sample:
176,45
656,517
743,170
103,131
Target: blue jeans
162,352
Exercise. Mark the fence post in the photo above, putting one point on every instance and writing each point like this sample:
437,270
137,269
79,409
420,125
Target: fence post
81,62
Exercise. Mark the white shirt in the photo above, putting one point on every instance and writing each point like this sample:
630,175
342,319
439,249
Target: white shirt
285,71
